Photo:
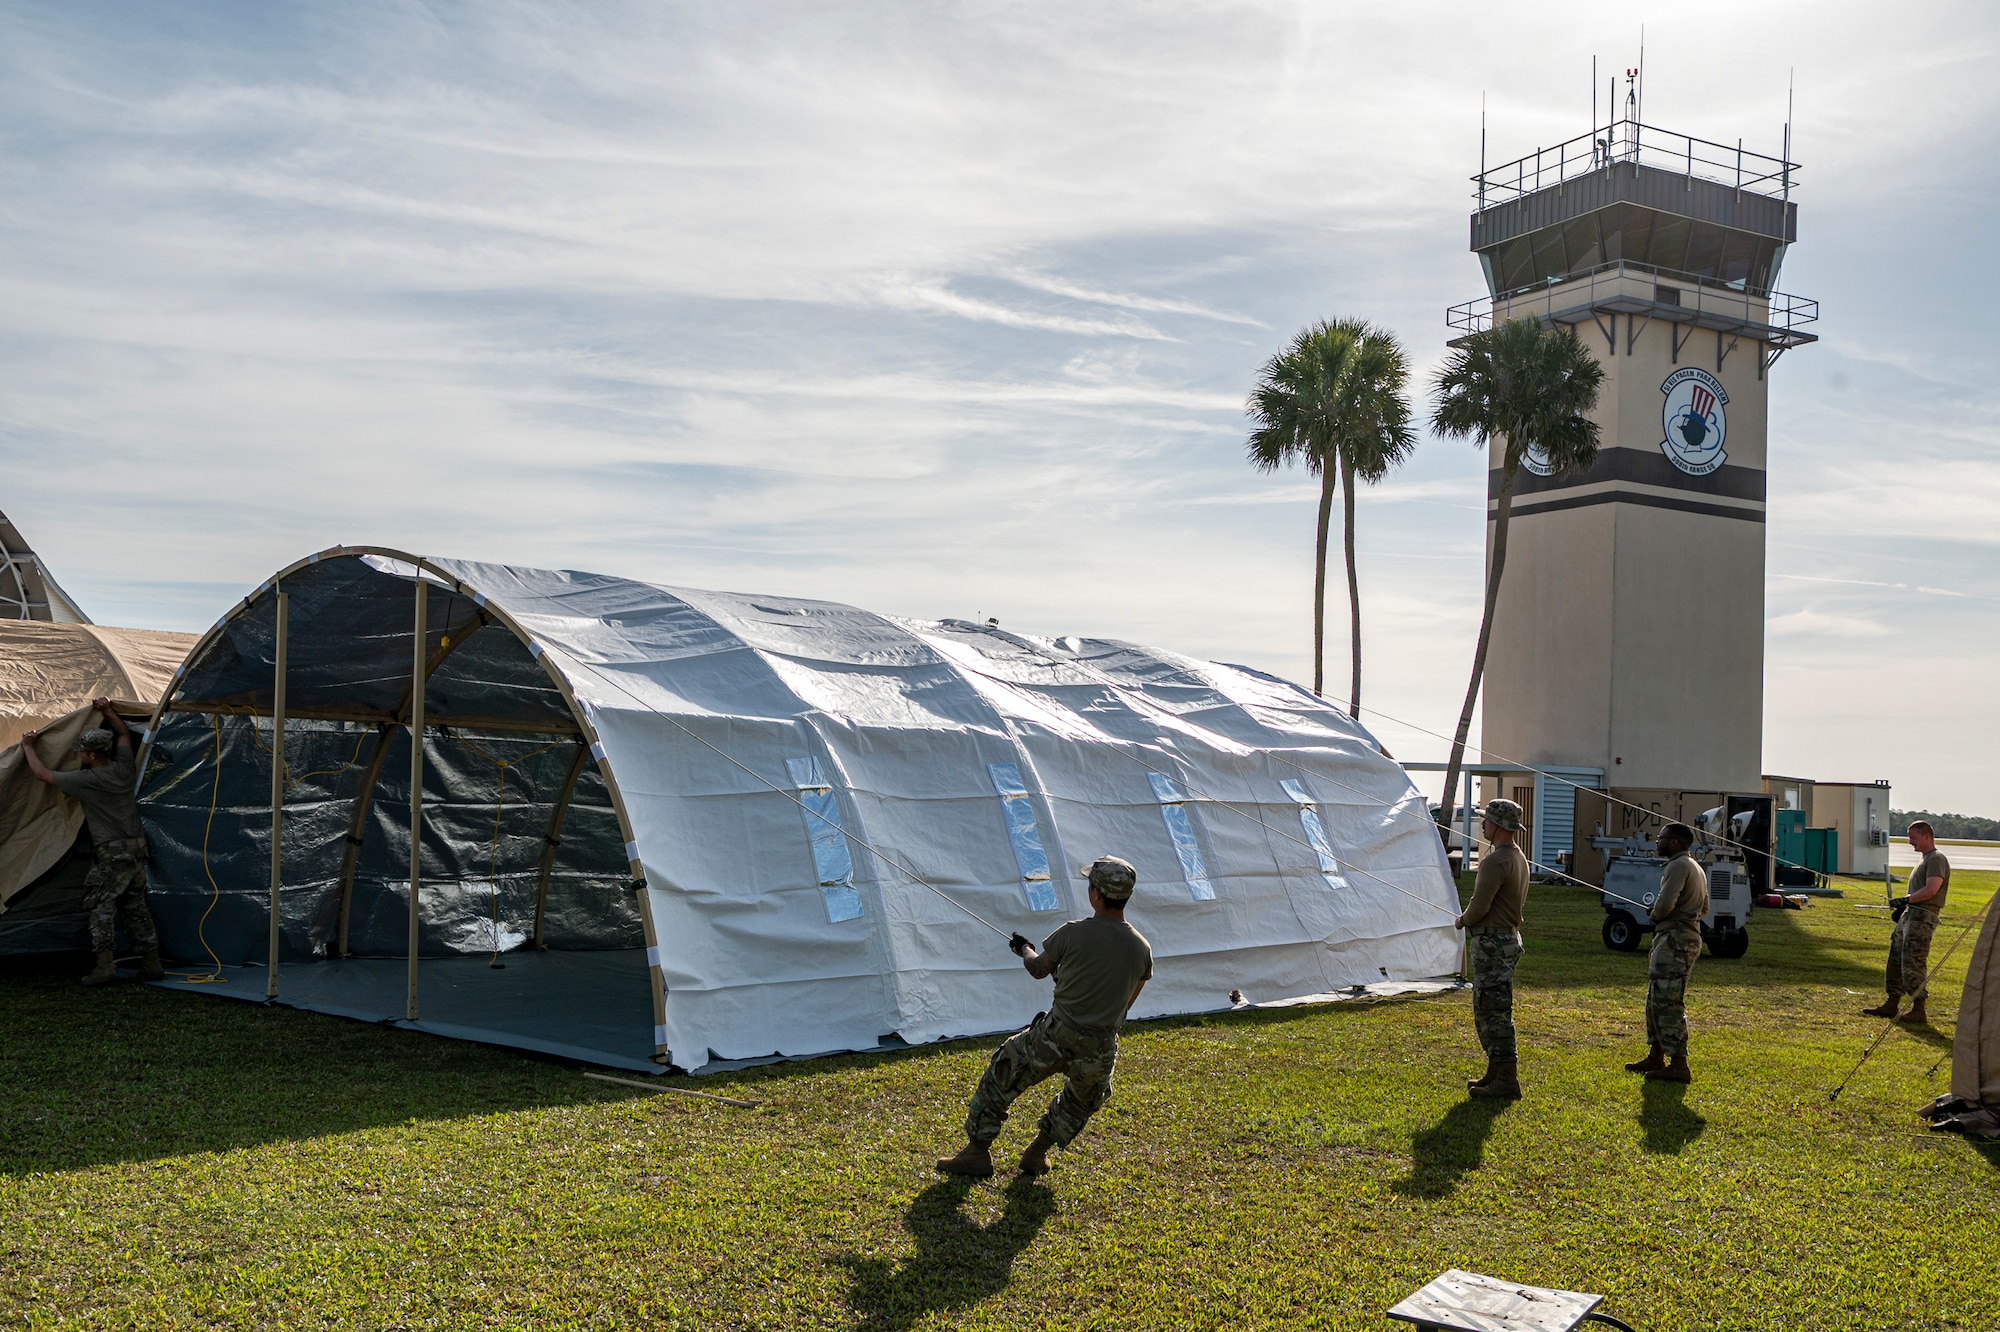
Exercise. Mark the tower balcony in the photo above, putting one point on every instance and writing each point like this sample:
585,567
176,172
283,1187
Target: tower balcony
1644,293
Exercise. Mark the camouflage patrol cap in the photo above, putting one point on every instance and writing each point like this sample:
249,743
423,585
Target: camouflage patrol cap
1504,813
97,742
1112,877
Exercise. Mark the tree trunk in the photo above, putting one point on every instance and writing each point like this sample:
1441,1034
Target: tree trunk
1353,594
1327,480
1493,572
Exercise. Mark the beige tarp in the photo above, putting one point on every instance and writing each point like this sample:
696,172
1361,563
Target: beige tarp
48,675
1975,1049
50,670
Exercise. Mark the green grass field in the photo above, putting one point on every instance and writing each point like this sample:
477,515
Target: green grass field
169,1160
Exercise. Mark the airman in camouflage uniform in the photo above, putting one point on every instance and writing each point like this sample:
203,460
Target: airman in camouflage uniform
1100,964
1916,921
1492,922
106,786
1676,915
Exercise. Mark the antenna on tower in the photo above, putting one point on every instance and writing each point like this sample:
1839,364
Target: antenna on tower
1642,73
1482,150
1791,81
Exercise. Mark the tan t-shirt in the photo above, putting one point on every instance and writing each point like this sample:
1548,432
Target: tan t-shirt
1932,865
1683,898
1097,964
1500,892
110,808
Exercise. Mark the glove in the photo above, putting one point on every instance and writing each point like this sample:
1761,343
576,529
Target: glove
1020,944
1897,906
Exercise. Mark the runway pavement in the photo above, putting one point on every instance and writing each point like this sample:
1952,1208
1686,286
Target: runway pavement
1983,856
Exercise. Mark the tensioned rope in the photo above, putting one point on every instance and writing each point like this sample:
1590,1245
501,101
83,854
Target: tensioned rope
762,780
921,882
1597,791
1889,1024
1145,706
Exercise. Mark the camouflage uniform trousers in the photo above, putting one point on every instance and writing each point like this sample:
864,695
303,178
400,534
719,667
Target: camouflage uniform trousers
1045,1047
1491,955
116,885
1675,949
1910,952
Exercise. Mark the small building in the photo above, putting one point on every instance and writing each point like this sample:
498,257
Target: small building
1859,814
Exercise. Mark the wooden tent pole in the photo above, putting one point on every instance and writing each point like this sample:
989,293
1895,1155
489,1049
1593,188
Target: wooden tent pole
417,783
357,823
553,838
277,791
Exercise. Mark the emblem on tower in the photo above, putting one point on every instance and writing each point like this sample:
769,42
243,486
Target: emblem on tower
1693,421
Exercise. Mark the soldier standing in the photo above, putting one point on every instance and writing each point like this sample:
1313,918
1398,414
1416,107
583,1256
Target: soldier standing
1492,922
1100,964
1916,922
107,788
1677,913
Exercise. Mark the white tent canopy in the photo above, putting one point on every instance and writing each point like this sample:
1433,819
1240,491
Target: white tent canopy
818,801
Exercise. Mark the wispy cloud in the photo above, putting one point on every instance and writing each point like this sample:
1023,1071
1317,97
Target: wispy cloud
947,314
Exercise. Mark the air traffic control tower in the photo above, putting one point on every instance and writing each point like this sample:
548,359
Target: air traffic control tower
1629,635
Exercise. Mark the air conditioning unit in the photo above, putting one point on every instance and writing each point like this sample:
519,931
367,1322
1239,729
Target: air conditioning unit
1878,837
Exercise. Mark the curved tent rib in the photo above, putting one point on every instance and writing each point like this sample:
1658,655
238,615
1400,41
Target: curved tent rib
811,804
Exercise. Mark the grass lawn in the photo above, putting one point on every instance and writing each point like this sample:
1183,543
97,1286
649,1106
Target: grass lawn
169,1160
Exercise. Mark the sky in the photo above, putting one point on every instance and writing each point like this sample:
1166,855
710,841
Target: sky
951,310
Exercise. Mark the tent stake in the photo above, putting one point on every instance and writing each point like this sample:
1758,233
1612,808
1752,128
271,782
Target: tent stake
417,783
277,790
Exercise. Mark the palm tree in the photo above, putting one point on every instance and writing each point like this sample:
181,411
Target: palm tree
1334,402
1526,386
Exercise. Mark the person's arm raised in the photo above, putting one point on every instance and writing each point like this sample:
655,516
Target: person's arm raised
117,724
34,758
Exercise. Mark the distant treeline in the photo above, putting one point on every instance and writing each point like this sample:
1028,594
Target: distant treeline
1945,825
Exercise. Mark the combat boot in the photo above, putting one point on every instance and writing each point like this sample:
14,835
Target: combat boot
1887,1008
1474,1084
1651,1064
107,969
1035,1161
974,1161
150,968
1504,1085
1916,1017
1676,1070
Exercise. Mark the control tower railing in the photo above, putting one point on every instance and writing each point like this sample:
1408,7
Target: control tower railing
1630,141
1625,287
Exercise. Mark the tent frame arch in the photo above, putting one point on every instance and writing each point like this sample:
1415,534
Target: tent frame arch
487,613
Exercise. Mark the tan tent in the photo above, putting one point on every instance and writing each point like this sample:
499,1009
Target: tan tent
50,670
1975,1049
49,673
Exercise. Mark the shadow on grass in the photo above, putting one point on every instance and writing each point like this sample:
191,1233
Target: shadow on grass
958,1261
1448,1150
129,1073
1926,1034
1669,1125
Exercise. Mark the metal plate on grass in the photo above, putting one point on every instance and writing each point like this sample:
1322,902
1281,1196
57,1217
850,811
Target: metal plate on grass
1469,1302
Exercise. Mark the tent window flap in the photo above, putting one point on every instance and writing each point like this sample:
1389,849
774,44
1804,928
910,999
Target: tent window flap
1024,835
835,865
1322,845
1180,828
